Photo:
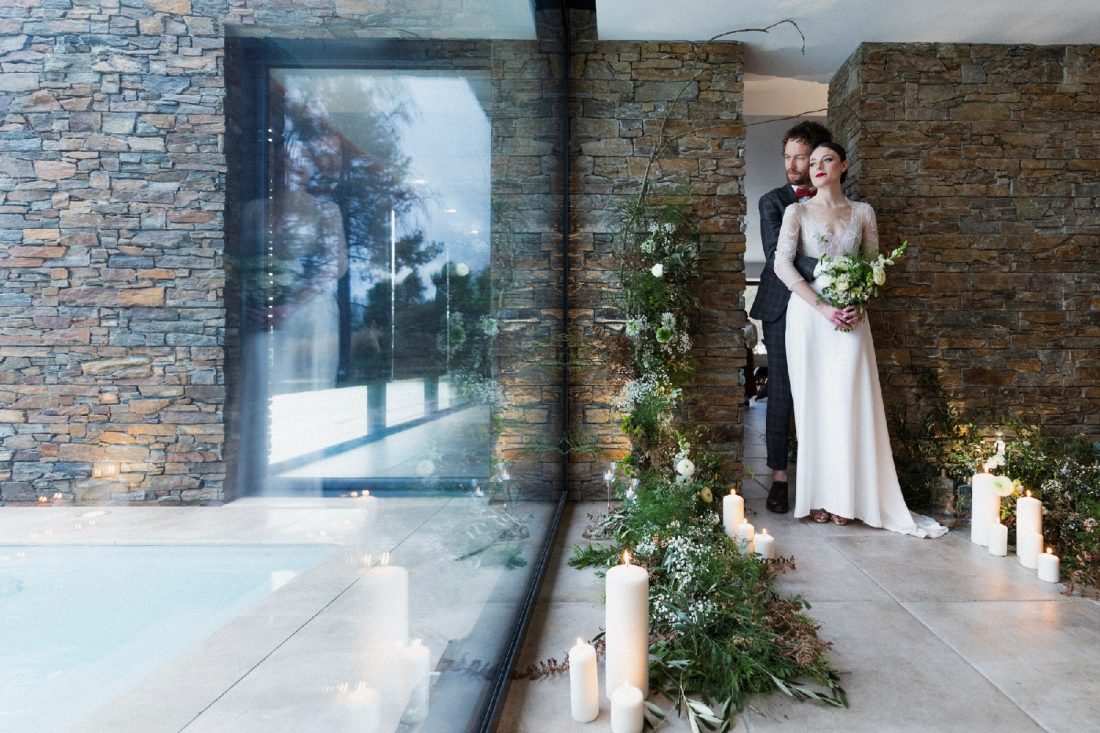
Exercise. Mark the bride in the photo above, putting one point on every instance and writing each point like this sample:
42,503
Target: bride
845,469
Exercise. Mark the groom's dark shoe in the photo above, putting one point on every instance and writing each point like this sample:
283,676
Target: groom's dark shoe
777,498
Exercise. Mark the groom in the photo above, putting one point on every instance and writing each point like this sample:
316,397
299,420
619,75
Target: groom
770,305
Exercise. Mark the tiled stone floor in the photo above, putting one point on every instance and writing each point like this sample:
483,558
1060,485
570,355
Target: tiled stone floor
295,660
928,635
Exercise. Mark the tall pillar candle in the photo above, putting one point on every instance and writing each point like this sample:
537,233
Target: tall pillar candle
982,511
627,710
386,599
415,681
627,627
584,686
1029,547
733,513
1029,518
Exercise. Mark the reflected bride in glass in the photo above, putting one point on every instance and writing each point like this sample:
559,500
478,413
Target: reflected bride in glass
845,469
309,256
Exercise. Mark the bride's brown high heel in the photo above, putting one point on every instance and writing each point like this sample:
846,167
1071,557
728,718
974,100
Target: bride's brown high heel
819,515
839,520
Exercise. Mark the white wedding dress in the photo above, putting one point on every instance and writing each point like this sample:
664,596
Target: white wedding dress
844,464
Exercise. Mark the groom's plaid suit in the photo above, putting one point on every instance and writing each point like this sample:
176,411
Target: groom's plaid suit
770,307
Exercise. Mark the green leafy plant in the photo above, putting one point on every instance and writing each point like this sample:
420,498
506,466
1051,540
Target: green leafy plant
719,632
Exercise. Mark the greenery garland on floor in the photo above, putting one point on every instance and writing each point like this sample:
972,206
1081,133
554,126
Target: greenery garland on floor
719,632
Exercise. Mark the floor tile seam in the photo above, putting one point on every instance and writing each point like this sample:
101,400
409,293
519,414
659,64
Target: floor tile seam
301,626
1004,693
902,605
268,655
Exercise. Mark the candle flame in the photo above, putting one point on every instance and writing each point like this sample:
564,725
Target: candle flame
579,641
764,530
626,557
415,642
1050,550
733,491
385,559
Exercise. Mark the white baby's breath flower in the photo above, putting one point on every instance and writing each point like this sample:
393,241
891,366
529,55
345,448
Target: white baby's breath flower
658,270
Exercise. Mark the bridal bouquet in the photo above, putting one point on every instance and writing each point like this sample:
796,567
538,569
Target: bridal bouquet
853,279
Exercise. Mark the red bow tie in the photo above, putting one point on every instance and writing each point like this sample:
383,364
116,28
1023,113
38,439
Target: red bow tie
803,192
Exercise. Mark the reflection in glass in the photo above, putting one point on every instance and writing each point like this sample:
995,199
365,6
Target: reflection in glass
368,292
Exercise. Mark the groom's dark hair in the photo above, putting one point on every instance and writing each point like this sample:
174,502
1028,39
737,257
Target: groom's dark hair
809,132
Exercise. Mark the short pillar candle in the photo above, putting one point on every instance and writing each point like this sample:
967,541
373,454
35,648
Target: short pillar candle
1048,566
998,539
733,513
627,710
746,533
765,545
584,686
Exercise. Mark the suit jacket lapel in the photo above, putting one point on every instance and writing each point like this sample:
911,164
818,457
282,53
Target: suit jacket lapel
786,195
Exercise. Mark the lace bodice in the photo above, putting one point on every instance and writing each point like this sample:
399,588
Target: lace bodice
802,233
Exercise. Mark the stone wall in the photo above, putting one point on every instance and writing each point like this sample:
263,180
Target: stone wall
620,94
114,332
986,159
111,203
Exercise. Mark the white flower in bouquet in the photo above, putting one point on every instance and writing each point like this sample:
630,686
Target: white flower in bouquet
634,326
853,279
658,270
685,467
878,271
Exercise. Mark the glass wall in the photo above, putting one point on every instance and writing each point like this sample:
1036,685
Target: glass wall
367,281
394,250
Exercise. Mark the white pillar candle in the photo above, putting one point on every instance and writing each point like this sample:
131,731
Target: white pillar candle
733,513
584,687
627,627
1031,545
1048,564
1029,517
415,680
998,539
746,533
982,512
362,704
765,545
627,710
386,615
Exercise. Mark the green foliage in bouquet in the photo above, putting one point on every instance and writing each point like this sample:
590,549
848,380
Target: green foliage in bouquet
855,278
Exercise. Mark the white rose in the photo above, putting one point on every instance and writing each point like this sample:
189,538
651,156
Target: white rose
685,467
658,270
878,272
462,269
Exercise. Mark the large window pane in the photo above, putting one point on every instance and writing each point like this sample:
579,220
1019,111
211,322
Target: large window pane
368,290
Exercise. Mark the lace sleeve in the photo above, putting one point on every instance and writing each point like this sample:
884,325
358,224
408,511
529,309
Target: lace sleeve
787,247
869,243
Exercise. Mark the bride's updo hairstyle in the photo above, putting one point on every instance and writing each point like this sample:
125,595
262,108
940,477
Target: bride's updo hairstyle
839,150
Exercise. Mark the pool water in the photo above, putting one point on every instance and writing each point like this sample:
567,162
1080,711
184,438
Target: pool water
80,624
